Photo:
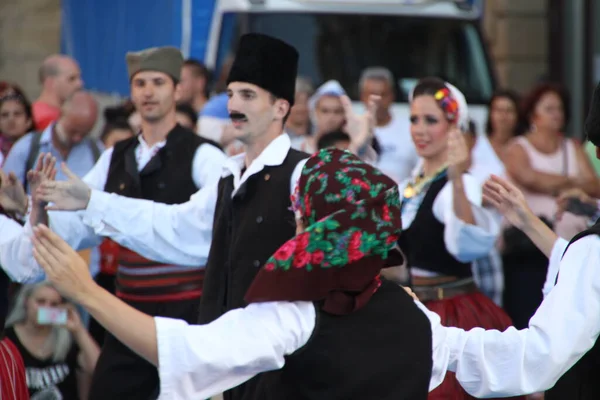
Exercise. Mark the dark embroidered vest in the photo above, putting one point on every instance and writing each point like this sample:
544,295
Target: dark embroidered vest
248,229
167,178
423,242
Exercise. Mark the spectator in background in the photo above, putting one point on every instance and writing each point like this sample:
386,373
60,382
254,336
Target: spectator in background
214,124
60,77
397,153
117,126
502,125
193,88
338,139
16,120
544,163
67,140
186,116
327,111
114,132
298,125
503,120
59,359
7,89
135,121
127,110
332,111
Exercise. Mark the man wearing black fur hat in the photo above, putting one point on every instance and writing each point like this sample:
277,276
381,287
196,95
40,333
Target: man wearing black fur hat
244,218
250,206
166,163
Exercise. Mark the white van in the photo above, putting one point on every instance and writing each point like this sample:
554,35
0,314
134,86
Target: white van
337,39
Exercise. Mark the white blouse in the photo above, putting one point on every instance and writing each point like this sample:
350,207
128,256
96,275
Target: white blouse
464,241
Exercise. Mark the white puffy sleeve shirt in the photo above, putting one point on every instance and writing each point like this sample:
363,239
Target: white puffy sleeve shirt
464,241
198,361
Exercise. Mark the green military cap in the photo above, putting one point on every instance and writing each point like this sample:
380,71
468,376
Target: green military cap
162,59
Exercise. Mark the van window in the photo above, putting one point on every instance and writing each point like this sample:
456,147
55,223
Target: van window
340,46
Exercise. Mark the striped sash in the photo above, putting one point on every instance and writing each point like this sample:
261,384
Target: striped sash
13,384
141,279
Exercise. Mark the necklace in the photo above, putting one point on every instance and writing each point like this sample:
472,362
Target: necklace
421,182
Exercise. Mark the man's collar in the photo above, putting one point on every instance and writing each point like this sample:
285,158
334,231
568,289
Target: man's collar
47,134
142,141
274,154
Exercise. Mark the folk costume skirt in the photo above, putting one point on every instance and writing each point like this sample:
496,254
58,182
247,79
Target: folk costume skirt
467,310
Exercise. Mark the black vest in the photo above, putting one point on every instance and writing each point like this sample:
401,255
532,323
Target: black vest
247,230
382,351
423,242
167,177
582,381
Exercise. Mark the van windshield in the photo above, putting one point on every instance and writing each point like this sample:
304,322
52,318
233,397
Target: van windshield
340,46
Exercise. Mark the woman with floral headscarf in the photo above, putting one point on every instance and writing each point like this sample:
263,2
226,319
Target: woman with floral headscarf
318,311
445,226
321,323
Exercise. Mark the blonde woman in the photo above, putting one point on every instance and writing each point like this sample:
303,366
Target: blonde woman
59,359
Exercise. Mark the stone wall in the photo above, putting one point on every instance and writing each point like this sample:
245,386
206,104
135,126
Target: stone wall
517,33
30,30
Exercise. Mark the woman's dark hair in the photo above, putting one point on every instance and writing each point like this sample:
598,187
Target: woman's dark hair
26,106
428,86
331,138
115,113
472,131
515,99
531,100
189,111
4,86
114,124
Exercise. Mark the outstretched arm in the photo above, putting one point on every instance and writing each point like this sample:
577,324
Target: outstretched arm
565,326
178,234
194,361
510,202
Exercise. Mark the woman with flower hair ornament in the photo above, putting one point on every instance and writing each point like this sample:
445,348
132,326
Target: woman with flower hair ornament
445,226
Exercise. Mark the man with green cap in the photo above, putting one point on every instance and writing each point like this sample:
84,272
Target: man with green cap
239,222
165,163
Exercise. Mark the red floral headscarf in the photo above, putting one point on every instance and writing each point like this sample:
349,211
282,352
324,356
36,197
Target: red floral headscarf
351,212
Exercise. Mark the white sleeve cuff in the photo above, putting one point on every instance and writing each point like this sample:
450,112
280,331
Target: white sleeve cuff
168,351
93,215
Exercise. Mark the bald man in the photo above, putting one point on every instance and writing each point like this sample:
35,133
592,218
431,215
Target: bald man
68,140
60,77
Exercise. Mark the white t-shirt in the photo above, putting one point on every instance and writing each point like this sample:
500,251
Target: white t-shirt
398,155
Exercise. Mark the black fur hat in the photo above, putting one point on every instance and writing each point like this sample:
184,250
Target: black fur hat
266,62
